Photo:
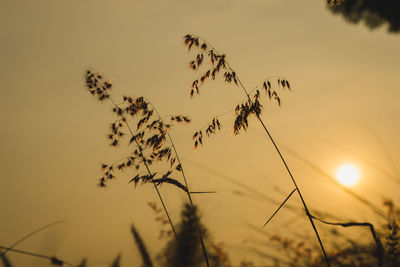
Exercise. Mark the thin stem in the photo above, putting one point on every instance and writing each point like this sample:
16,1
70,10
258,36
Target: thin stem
267,78
29,235
280,155
298,190
147,168
379,247
253,192
52,259
216,117
203,247
288,170
280,206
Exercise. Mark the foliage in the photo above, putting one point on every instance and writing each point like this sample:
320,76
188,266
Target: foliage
373,13
141,247
184,250
383,251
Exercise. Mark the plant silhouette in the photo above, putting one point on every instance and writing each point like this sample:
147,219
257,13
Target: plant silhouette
217,64
151,137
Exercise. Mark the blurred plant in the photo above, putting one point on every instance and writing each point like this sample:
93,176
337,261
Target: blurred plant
334,2
373,13
217,63
384,251
160,218
141,247
246,263
392,234
184,250
347,254
116,261
6,262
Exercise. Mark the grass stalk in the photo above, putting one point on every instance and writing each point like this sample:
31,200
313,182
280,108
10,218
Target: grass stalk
280,206
6,262
193,40
29,235
53,260
100,89
203,247
141,247
298,191
147,169
378,242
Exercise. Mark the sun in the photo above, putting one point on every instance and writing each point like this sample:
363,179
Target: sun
348,175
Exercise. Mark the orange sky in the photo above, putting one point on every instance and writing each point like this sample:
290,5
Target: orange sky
345,95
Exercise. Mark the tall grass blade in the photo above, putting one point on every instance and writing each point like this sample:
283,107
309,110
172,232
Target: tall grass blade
116,262
141,247
6,262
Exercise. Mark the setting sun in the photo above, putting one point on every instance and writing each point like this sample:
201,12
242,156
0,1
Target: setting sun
348,175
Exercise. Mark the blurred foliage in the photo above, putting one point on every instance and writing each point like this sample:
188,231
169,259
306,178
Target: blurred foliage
185,249
374,13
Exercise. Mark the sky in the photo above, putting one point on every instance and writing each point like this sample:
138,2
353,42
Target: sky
343,108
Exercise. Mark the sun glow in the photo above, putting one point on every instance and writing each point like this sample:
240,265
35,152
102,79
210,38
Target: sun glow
348,175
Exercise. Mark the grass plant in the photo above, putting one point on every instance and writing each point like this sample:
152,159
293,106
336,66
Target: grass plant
148,137
151,137
217,64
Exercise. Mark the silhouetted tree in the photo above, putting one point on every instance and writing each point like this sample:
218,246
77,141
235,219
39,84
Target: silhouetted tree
373,13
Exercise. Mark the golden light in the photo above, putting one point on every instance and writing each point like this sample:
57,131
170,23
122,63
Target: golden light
348,175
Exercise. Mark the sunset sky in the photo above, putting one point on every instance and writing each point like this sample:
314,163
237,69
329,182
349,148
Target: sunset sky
343,108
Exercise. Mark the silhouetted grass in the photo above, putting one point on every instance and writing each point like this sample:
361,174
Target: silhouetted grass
149,134
116,261
141,247
6,262
152,138
250,107
184,250
148,138
51,259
